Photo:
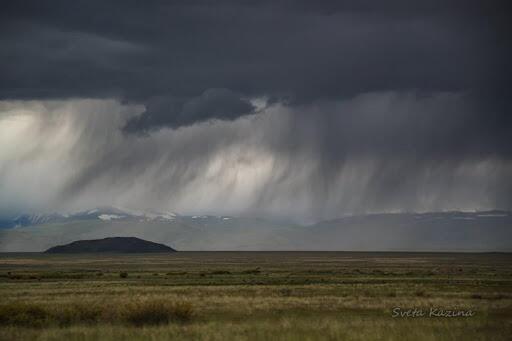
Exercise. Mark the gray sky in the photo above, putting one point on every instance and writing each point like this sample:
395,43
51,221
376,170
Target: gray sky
299,109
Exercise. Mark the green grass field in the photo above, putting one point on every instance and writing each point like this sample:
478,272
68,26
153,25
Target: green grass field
254,296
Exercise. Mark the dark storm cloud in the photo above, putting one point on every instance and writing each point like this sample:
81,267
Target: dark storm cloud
220,104
164,54
362,105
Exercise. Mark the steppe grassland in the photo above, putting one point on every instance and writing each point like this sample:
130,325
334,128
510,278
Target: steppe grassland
254,296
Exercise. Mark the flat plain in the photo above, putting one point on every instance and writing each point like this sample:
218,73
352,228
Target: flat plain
256,296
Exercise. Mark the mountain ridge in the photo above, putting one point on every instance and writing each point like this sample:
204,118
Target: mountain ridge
117,213
432,231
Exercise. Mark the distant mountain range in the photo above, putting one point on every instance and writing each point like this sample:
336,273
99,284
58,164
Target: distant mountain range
436,231
102,213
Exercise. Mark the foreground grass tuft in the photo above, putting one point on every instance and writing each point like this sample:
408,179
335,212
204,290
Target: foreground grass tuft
133,313
157,312
23,314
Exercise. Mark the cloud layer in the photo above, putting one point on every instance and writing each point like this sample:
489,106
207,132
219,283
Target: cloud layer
168,53
282,108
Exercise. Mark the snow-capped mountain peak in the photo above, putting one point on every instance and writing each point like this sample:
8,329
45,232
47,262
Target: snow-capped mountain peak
108,213
37,219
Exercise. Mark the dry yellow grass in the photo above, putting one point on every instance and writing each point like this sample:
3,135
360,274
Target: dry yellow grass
221,296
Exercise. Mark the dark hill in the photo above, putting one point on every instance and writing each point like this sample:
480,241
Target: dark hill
113,244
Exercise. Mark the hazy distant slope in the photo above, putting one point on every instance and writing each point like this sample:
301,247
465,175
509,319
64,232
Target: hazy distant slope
445,231
450,231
